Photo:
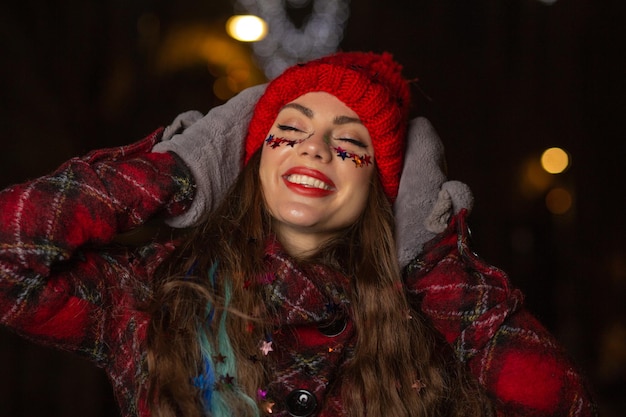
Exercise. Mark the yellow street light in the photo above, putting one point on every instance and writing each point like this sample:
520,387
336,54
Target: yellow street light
555,160
246,28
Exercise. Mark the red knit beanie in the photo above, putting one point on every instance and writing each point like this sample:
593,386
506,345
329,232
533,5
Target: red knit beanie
370,84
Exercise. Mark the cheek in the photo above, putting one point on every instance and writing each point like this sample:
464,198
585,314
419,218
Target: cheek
267,189
358,170
360,179
265,170
355,205
365,182
269,156
270,178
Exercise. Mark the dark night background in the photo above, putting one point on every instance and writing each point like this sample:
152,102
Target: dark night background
500,80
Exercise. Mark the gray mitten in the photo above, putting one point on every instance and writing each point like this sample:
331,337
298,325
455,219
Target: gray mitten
426,201
212,148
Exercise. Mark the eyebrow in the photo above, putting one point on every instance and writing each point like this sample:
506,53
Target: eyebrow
342,120
339,120
304,110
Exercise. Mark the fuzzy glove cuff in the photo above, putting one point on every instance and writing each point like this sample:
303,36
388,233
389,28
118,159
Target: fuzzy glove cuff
426,200
212,148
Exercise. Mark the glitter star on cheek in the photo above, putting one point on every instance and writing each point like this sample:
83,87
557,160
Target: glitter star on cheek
357,161
266,347
341,153
273,141
367,159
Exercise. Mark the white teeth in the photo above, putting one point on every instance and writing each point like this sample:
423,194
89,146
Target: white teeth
307,181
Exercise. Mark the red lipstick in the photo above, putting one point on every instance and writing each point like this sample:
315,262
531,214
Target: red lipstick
308,182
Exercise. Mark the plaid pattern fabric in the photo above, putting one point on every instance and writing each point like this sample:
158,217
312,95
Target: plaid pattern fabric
57,291
62,284
472,304
313,335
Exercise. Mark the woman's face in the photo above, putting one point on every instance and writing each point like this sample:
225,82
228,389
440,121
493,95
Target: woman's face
316,165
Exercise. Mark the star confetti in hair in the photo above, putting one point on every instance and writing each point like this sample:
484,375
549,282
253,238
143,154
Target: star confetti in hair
266,347
418,385
219,358
268,406
227,380
261,394
249,327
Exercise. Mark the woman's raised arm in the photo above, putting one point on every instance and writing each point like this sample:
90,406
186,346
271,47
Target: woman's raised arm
55,287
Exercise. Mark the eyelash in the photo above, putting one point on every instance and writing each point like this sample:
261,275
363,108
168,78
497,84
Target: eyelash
355,142
288,128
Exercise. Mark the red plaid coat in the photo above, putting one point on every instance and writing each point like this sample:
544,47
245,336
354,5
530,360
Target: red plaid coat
63,284
473,305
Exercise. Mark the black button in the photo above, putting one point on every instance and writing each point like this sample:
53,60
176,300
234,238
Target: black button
333,328
301,403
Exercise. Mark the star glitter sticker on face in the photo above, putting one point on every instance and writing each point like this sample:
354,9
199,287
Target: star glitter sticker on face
275,142
360,161
341,153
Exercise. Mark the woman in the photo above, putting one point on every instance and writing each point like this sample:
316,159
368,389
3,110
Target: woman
287,299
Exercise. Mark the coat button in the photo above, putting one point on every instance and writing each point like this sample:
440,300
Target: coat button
301,403
333,328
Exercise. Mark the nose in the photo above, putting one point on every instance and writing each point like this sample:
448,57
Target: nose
317,146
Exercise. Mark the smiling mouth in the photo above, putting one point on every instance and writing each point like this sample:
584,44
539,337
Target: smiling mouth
306,181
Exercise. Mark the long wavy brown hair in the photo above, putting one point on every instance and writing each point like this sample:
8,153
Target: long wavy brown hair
400,348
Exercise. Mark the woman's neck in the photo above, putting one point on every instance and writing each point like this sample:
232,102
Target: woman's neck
300,244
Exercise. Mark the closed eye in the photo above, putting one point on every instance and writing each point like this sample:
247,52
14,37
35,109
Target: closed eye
353,142
288,128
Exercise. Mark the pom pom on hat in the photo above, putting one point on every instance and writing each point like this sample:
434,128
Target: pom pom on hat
370,84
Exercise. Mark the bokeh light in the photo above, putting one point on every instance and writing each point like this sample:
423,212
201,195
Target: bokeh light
246,28
559,200
555,160
534,180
